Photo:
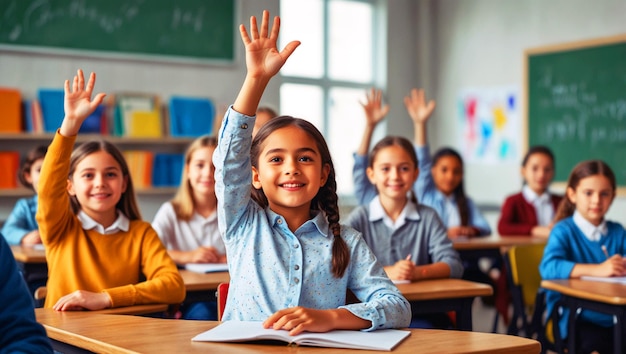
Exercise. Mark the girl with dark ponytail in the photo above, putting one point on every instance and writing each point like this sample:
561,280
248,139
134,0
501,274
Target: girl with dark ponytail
290,261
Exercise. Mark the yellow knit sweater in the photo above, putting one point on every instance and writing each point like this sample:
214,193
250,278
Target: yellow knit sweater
81,259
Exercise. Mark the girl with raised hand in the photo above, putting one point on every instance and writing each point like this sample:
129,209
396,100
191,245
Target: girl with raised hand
408,238
97,246
290,260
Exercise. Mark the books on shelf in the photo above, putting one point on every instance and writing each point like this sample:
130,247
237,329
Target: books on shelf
618,280
190,116
167,170
10,162
52,111
140,165
207,267
10,110
244,331
137,115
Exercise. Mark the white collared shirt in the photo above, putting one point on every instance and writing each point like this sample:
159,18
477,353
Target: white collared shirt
453,217
120,224
542,203
592,232
377,212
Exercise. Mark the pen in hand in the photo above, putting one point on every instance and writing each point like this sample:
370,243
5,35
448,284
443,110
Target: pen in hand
606,253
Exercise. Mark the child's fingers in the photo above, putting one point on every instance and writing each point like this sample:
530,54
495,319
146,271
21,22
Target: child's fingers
275,28
90,83
289,48
81,80
66,86
244,35
265,19
75,84
254,30
97,100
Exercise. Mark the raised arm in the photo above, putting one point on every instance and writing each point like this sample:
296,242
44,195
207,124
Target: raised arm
375,112
419,111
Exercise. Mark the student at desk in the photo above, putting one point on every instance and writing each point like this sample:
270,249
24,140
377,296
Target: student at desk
21,228
97,246
290,260
407,238
582,243
531,212
187,224
19,331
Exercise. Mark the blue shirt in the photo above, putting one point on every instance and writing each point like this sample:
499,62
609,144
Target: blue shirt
568,245
19,331
422,235
21,220
272,268
425,191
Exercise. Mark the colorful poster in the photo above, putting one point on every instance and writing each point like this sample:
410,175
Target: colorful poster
490,121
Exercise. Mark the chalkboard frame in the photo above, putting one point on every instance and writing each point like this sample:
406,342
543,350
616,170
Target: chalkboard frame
560,183
120,54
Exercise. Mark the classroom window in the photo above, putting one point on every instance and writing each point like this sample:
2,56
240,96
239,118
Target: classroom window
326,78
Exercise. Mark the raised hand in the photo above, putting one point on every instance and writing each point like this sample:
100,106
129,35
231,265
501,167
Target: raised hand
263,60
78,103
375,111
417,107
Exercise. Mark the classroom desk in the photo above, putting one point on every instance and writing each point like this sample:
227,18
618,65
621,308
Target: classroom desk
443,295
592,295
477,247
80,331
438,295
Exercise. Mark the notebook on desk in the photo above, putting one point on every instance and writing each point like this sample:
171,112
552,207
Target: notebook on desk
245,331
207,267
618,280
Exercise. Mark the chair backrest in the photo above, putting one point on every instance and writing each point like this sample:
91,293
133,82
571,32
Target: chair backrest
524,267
222,294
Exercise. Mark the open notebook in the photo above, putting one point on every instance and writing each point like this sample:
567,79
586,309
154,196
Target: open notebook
245,331
207,267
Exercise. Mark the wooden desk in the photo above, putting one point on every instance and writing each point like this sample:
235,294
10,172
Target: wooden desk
489,244
133,334
27,254
202,286
598,296
443,295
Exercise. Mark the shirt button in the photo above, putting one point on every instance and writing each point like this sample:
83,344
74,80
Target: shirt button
296,246
296,267
280,221
244,126
296,280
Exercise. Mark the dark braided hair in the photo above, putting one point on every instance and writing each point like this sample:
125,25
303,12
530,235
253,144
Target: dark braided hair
400,141
326,199
459,191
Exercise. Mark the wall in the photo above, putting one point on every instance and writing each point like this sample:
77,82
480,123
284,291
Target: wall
29,72
441,45
480,43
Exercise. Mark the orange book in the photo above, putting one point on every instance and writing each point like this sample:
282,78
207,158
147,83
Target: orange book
10,111
10,162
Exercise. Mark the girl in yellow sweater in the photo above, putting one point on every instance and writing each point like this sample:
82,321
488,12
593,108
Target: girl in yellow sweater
97,246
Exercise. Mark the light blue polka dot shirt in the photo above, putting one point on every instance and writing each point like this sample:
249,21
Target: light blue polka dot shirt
272,268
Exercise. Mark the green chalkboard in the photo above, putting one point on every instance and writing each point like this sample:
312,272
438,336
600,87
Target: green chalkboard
577,103
191,29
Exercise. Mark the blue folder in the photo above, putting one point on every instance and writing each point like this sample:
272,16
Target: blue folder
167,169
191,117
